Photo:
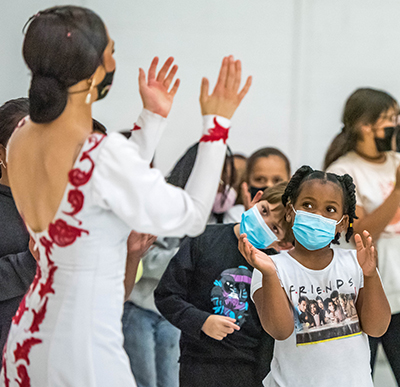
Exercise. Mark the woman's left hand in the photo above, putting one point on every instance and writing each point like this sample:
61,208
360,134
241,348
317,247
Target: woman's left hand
154,92
366,255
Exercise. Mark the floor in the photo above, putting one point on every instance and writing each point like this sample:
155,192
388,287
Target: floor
383,374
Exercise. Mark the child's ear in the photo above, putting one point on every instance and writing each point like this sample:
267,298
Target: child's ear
344,224
288,214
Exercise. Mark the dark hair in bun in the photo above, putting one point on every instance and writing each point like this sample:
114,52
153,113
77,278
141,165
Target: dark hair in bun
62,46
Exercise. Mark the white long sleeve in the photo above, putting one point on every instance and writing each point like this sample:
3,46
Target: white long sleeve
125,184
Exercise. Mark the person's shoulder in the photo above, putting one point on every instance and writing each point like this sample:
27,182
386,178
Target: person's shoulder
282,258
343,163
345,256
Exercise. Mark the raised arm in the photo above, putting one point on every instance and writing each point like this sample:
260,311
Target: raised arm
273,307
126,185
157,98
372,305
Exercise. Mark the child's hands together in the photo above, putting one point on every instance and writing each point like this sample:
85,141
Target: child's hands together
218,327
366,255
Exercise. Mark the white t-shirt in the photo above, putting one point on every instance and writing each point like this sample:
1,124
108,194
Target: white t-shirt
374,183
330,350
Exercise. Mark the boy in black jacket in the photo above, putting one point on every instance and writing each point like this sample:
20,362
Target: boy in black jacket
205,293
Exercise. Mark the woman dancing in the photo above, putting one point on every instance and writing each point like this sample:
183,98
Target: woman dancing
80,194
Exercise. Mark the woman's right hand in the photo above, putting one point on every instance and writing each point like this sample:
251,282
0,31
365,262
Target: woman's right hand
255,257
225,97
154,92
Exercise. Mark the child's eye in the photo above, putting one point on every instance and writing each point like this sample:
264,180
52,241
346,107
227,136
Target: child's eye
307,205
264,211
331,209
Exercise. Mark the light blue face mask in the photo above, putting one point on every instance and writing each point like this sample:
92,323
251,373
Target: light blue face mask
258,233
313,231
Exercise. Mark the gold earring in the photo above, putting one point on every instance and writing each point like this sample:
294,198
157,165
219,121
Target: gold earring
89,94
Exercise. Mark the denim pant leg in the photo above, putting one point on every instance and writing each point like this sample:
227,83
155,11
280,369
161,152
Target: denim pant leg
167,353
138,328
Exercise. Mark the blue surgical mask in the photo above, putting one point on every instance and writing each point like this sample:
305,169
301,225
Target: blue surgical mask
313,231
258,233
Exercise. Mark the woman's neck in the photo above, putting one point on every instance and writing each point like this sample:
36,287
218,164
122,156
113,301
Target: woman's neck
312,259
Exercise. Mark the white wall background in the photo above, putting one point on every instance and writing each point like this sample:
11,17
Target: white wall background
306,57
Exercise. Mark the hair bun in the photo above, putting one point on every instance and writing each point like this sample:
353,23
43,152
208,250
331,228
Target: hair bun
47,97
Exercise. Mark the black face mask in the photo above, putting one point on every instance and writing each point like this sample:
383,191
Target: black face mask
105,85
385,144
254,190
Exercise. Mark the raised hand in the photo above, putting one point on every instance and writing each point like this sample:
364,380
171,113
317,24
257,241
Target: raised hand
225,97
366,255
219,327
256,258
154,91
246,197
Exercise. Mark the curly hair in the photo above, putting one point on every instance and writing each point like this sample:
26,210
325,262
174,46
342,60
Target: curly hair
345,182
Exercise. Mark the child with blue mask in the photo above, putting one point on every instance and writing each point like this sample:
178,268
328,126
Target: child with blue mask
319,207
205,292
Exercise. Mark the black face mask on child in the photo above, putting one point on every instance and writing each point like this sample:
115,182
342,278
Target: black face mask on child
386,143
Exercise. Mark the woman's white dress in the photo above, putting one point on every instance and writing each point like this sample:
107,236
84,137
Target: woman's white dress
67,331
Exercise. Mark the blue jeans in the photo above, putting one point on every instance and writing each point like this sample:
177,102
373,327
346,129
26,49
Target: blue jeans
152,344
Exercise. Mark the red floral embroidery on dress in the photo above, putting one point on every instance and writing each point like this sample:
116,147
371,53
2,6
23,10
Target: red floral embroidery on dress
46,288
136,127
47,249
63,234
20,312
76,199
4,365
22,351
215,134
38,317
23,375
36,280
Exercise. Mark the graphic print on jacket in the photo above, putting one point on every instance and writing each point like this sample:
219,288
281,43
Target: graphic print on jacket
230,293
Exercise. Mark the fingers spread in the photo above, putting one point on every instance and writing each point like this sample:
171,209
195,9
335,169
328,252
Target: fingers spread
238,75
246,88
142,78
175,87
170,76
204,89
153,68
230,79
222,74
358,241
164,69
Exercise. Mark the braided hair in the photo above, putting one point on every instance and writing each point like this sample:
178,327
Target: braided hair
345,182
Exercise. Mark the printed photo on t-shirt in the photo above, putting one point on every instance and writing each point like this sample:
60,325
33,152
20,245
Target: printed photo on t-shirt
325,318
